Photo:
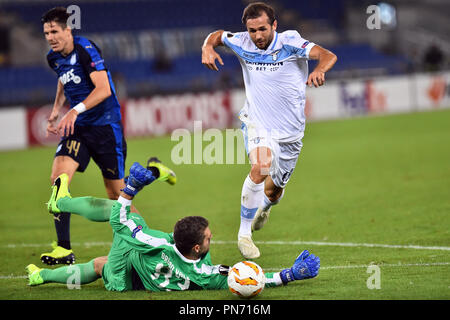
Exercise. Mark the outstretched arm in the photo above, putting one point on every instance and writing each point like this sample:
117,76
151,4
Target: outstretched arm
209,55
327,59
306,266
131,227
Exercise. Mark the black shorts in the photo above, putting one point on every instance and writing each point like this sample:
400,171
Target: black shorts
105,144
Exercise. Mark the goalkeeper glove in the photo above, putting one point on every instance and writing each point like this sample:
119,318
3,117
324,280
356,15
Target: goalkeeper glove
306,266
138,178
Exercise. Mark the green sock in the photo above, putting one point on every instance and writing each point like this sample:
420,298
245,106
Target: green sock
94,209
77,274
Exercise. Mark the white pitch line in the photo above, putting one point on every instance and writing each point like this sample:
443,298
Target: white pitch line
374,264
342,244
284,243
12,277
40,245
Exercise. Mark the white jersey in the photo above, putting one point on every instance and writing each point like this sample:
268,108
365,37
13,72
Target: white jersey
275,82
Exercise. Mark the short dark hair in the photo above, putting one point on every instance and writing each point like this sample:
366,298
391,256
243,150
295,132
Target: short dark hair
58,15
256,9
189,232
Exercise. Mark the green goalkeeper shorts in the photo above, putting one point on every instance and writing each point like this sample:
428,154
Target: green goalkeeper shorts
117,272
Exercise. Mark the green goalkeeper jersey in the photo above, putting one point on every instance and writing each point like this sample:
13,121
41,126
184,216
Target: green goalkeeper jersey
156,260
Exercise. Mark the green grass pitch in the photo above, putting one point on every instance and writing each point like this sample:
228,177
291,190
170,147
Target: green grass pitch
372,190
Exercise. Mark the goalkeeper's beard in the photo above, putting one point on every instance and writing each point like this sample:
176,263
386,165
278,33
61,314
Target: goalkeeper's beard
201,256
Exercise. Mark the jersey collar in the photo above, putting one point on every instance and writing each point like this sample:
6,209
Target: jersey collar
183,257
274,41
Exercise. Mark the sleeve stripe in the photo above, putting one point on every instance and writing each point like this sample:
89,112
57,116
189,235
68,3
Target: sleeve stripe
206,269
224,36
308,49
137,233
91,53
275,280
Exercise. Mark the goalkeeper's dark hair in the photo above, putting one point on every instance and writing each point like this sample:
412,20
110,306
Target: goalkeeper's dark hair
58,15
256,9
189,232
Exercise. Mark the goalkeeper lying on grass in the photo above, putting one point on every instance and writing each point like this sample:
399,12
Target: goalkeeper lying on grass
141,258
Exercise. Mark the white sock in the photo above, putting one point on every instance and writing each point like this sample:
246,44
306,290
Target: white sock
251,197
267,204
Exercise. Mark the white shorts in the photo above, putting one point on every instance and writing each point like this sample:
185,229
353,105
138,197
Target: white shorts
284,154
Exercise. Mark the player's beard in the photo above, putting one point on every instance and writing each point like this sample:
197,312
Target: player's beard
201,256
267,43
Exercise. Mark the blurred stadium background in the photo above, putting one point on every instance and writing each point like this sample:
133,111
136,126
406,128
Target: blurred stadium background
153,49
371,190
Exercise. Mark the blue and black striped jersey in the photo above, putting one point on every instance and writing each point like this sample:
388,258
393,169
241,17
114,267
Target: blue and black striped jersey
74,72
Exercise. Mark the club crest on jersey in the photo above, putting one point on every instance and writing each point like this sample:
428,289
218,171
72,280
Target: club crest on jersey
73,59
275,55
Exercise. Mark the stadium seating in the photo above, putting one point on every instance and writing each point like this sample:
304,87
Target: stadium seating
19,84
365,57
330,11
37,83
99,16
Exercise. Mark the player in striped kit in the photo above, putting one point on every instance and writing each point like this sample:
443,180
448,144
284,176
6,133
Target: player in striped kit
275,72
141,258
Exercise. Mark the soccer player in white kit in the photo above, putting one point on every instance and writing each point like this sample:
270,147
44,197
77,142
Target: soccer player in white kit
275,71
